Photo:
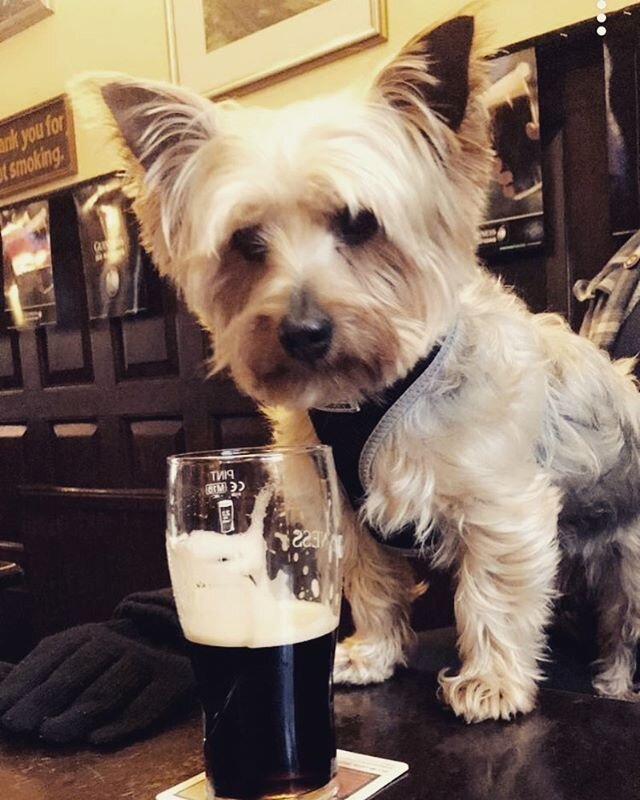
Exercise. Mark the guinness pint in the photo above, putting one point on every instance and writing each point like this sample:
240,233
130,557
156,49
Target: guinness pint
259,609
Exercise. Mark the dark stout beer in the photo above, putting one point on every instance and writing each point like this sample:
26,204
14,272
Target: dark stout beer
268,717
262,642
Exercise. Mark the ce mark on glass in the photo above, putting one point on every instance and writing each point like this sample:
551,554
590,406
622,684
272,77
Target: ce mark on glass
225,487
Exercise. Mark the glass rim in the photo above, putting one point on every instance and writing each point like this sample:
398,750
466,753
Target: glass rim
244,453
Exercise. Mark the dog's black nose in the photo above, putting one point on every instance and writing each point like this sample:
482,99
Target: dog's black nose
307,338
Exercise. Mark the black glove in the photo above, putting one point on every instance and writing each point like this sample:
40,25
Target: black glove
155,616
102,682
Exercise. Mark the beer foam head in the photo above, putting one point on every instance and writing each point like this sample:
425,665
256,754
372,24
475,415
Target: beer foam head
224,595
242,554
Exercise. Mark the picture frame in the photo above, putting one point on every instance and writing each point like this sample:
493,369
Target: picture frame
326,30
16,15
115,270
621,49
27,265
514,219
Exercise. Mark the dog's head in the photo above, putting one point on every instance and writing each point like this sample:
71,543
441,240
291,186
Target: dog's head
324,244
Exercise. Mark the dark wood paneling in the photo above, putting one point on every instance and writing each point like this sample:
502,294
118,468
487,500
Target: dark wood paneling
76,453
65,356
16,635
152,440
10,369
144,342
85,550
12,453
66,258
589,240
98,407
145,347
244,431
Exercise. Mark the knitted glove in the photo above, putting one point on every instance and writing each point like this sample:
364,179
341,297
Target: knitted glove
102,682
155,616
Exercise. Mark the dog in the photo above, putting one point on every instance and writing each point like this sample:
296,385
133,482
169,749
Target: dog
329,247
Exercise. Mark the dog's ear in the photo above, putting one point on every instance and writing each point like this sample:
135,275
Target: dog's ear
433,71
159,129
154,120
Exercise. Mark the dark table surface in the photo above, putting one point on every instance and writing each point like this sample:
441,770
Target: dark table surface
573,747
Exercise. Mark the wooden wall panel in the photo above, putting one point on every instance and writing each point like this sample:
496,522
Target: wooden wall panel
145,347
152,440
13,443
76,453
86,549
10,368
243,431
65,356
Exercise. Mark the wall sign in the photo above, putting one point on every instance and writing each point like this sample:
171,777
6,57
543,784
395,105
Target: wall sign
111,255
621,50
514,219
37,146
28,274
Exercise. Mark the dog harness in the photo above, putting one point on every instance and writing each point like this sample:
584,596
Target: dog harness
355,433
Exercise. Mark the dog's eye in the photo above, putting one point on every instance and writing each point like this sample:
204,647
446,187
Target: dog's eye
250,243
355,230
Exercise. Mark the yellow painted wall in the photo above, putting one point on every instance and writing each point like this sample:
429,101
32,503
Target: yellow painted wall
124,35
130,36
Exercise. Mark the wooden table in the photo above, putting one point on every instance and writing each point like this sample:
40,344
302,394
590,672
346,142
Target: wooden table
573,747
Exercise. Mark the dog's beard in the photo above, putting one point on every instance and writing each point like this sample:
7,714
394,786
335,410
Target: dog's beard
363,358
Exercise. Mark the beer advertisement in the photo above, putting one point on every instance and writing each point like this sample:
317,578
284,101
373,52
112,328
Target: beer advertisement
27,265
621,96
114,269
514,219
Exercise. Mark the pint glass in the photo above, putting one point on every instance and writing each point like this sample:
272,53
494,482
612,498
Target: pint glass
255,559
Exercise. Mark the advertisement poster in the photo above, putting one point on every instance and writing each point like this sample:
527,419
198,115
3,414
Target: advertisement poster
111,256
621,84
27,267
515,213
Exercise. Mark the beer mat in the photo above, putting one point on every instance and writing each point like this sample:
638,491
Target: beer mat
359,777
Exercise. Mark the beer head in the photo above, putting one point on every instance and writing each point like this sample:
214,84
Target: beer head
226,598
253,546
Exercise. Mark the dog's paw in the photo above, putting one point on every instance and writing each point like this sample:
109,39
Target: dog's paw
480,697
361,661
616,687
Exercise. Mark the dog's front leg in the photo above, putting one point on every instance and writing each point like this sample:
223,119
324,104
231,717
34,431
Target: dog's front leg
380,586
506,575
618,607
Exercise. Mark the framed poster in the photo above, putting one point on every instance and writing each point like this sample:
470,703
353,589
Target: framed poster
514,218
220,46
27,266
16,15
114,270
620,49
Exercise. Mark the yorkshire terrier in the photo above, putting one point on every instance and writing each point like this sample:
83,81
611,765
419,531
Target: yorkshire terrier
329,247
